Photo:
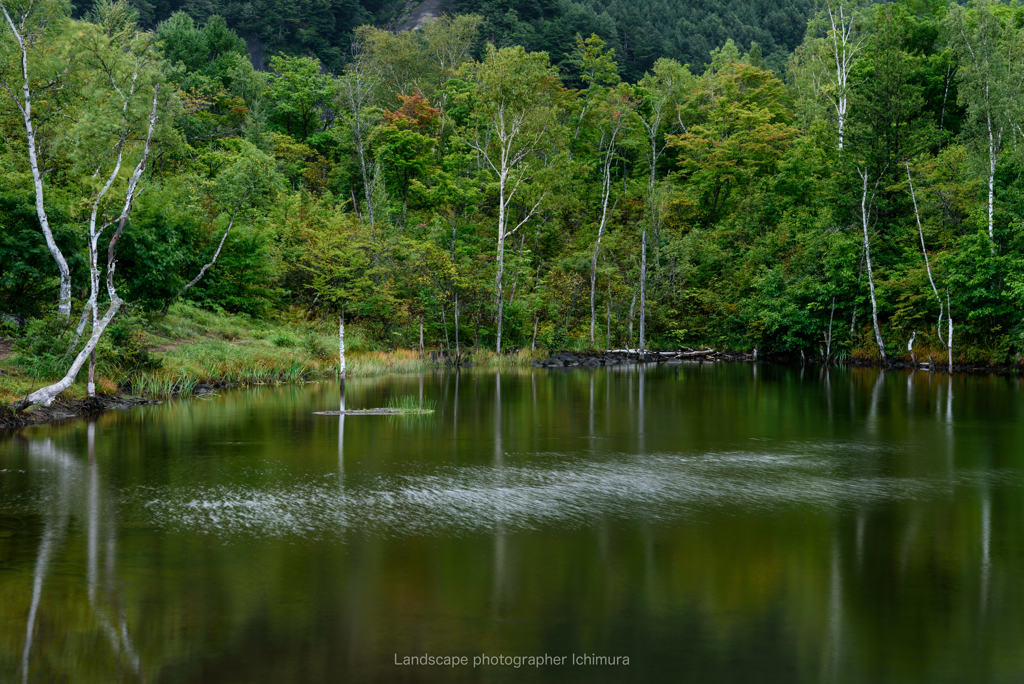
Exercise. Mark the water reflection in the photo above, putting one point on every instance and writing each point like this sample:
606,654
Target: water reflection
61,501
840,527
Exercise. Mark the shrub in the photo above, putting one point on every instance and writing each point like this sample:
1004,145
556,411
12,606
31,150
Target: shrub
284,339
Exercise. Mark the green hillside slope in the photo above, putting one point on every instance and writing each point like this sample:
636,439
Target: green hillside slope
640,31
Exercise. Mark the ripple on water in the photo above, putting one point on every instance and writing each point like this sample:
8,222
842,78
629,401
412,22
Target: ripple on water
567,492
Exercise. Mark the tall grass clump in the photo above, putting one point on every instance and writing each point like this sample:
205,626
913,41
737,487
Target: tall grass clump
410,403
489,359
378,363
162,386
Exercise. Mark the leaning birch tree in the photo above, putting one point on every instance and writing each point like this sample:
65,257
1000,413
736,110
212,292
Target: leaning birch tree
517,98
924,252
249,182
105,149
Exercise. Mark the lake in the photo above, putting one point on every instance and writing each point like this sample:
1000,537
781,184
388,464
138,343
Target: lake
702,523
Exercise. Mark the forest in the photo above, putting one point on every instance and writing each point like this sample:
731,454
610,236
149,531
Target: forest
449,188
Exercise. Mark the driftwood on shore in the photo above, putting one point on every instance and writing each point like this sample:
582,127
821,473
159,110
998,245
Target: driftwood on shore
376,412
614,357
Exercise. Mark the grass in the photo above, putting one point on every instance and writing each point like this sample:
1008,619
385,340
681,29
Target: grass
193,346
411,403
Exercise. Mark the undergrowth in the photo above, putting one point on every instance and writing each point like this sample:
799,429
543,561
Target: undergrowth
171,355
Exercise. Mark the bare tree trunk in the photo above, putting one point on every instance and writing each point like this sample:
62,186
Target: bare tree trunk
828,338
606,191
458,347
992,155
204,269
924,251
945,96
91,386
444,322
499,274
421,336
860,274
865,212
533,342
949,334
341,346
845,46
643,287
632,309
356,95
608,330
519,261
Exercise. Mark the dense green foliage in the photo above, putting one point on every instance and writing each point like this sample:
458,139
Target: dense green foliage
640,31
424,186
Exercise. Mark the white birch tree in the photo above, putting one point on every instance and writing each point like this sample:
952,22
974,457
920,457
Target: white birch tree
356,91
616,114
866,203
838,51
514,121
990,79
118,90
34,67
659,94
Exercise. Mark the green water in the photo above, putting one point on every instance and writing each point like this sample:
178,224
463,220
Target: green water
729,524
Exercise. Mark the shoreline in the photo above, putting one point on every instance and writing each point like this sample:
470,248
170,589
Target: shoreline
64,408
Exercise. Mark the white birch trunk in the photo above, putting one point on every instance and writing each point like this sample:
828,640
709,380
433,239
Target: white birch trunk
25,109
204,269
500,273
992,155
356,93
643,287
924,252
844,47
949,333
341,348
865,211
606,191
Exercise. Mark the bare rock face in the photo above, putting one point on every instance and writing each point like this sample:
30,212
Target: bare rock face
255,47
421,13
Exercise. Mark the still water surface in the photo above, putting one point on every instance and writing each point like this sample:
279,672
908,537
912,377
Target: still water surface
730,523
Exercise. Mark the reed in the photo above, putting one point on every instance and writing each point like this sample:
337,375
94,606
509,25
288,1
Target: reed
410,402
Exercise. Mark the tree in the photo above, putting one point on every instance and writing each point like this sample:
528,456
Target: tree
516,99
36,70
866,202
356,92
737,128
420,61
302,96
248,182
834,44
660,93
990,49
119,91
405,144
